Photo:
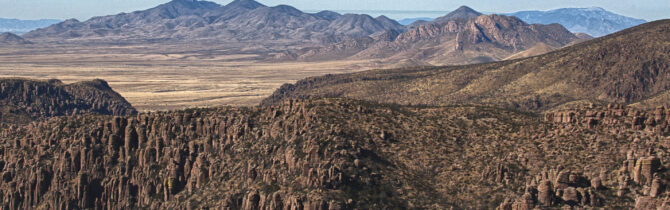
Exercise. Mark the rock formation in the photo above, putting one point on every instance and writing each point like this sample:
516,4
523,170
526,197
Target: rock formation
23,100
337,154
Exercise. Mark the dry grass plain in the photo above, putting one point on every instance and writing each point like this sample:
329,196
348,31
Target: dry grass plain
162,78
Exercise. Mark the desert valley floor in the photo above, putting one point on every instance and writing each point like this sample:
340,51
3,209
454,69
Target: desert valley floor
154,78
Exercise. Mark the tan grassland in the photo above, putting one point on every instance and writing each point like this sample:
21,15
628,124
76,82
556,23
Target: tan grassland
163,78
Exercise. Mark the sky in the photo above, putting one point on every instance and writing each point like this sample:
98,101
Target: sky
85,9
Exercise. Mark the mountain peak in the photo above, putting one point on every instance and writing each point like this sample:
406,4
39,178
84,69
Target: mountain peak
8,34
287,9
248,4
328,15
178,8
463,12
465,9
71,20
191,2
383,18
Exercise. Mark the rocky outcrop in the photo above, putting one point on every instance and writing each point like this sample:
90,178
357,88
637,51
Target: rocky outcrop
334,154
23,100
657,121
255,159
640,175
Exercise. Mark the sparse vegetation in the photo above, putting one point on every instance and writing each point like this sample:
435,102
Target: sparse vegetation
625,67
340,152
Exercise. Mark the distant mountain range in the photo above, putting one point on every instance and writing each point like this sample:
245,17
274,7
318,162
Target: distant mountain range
181,19
241,20
464,36
12,39
593,21
23,26
197,20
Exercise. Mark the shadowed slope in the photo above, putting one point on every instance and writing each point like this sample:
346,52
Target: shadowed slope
24,100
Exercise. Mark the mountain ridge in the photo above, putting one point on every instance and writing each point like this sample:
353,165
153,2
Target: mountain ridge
459,40
592,70
12,39
184,21
594,21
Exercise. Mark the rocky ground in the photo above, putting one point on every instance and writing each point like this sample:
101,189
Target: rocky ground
340,154
24,100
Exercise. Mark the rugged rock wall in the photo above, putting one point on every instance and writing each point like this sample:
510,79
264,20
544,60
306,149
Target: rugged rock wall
236,158
336,154
640,177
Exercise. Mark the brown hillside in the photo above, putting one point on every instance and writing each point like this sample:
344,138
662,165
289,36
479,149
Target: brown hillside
625,67
536,50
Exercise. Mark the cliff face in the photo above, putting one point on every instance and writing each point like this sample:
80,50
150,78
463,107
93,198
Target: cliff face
336,154
24,100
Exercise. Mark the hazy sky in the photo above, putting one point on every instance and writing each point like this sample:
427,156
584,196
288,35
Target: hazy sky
84,9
